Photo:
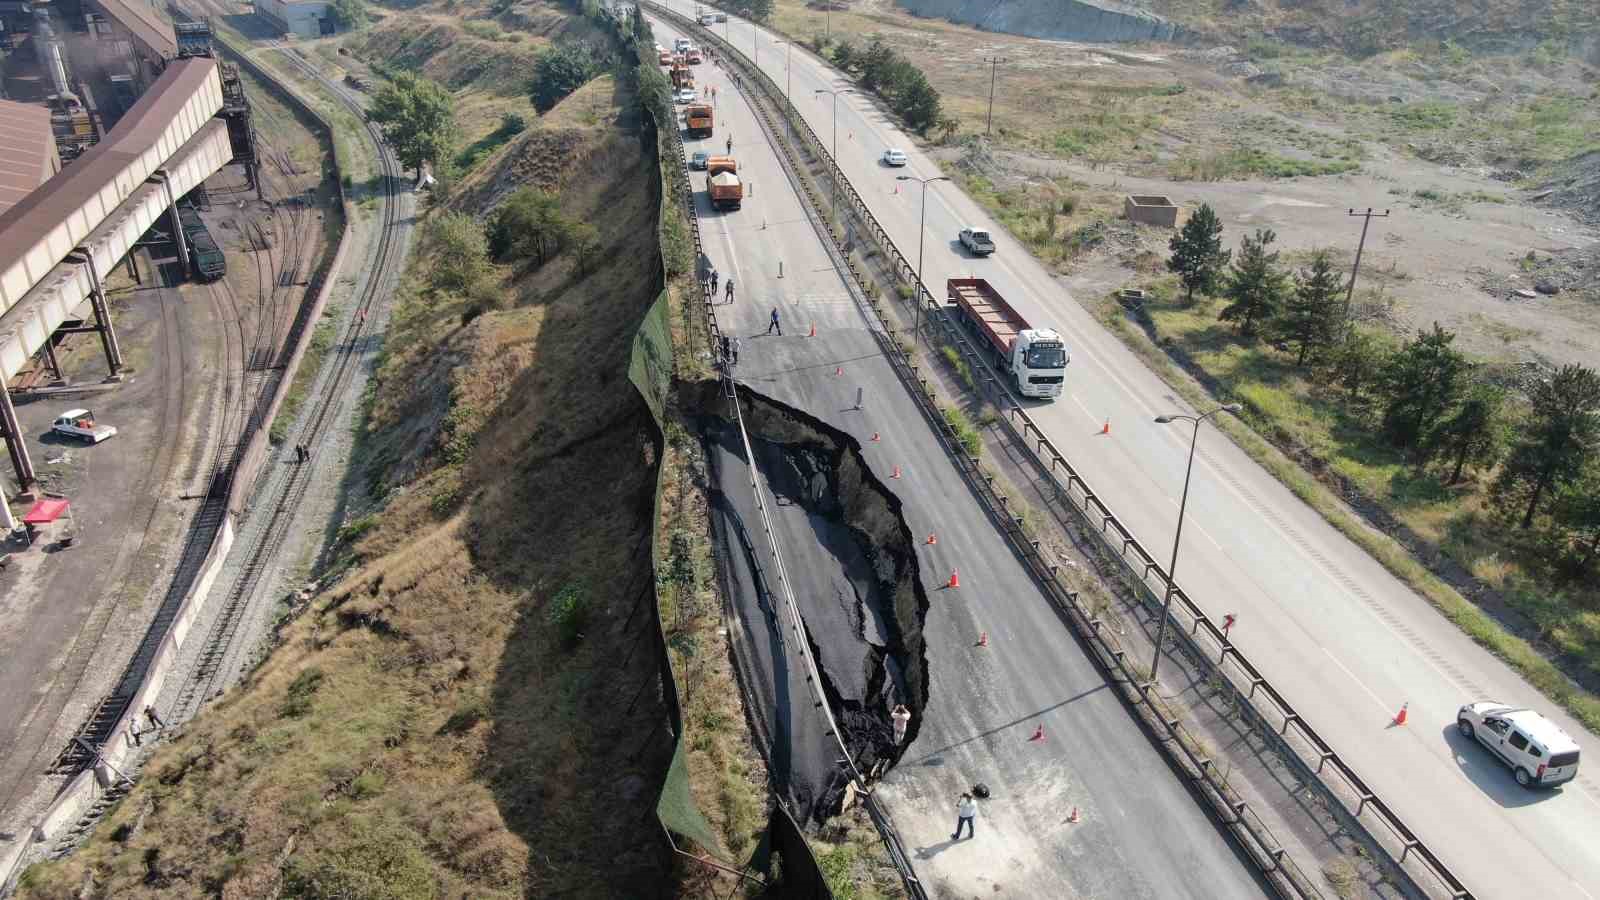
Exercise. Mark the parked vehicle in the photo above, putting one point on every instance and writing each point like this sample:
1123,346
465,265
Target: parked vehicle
1536,750
707,18
698,160
894,156
666,57
723,184
686,95
681,45
697,120
1036,357
682,76
722,17
79,423
695,58
977,241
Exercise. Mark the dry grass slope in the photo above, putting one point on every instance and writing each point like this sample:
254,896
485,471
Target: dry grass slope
422,731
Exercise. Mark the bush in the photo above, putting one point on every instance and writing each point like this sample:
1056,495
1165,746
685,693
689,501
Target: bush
966,435
569,612
528,226
559,71
461,256
297,702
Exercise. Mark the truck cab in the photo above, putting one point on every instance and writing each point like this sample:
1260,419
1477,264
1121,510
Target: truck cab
1039,362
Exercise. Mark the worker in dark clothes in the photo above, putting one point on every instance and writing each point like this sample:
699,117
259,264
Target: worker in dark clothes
730,290
775,325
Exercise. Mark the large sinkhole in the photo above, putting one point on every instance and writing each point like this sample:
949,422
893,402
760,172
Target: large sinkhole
852,566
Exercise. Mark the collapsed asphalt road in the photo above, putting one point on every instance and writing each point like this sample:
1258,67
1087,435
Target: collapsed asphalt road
857,586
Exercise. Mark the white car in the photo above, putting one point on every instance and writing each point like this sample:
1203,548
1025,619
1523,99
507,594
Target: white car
1534,748
686,95
894,156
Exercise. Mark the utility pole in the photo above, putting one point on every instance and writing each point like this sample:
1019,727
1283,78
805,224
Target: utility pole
994,65
1350,294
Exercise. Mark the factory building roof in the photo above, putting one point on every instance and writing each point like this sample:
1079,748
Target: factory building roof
27,151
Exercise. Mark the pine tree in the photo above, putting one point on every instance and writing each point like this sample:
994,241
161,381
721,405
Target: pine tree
1563,431
1256,286
1312,314
1197,255
1474,433
1421,383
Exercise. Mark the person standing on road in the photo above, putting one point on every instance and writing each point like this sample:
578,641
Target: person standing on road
730,145
714,277
735,349
902,720
775,325
730,290
966,812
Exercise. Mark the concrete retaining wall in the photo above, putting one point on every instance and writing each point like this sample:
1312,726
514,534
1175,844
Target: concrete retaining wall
1068,20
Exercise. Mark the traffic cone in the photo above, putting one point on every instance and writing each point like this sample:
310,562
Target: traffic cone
813,330
897,187
1106,429
932,539
874,436
838,370
895,473
1073,819
983,639
1038,734
955,578
1400,717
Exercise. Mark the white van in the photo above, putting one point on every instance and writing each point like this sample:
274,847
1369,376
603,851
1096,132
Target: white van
1536,750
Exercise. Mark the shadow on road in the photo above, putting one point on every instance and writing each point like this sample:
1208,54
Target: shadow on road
928,759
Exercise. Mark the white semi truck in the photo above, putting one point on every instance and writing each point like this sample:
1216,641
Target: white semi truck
1036,357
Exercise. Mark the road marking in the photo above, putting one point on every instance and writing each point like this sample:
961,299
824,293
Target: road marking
1581,890
1375,698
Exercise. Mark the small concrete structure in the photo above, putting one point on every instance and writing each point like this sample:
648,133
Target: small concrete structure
302,18
1151,209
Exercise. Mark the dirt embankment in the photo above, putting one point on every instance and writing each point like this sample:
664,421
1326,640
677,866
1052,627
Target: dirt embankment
486,51
429,727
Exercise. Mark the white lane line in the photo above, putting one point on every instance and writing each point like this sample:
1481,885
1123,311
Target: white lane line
1375,698
1582,891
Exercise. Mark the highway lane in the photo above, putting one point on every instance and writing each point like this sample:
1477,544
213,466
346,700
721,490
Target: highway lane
1142,833
1344,640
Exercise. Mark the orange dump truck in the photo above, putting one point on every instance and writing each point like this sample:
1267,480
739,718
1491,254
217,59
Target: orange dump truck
697,119
682,76
723,184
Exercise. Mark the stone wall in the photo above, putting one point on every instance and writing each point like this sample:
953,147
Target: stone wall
1074,20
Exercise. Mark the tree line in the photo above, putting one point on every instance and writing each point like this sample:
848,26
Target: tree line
1426,398
880,71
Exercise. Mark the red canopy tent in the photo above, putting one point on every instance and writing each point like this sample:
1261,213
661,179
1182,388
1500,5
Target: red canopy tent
45,511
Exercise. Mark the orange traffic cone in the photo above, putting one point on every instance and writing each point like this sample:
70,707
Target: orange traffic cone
874,435
895,473
813,330
983,639
955,578
1400,717
1106,429
932,539
1038,734
1073,819
838,370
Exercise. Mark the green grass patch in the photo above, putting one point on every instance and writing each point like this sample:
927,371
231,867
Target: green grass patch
1247,162
1293,408
1432,115
322,340
971,441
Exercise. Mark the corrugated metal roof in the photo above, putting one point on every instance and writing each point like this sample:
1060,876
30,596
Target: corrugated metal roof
72,188
27,151
144,23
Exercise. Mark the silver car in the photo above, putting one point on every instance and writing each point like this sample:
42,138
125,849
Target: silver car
1536,750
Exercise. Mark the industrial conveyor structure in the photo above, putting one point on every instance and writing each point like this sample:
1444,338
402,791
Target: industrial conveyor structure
58,244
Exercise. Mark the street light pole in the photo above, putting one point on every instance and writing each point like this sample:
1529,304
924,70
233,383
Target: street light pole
922,231
994,66
1172,568
834,178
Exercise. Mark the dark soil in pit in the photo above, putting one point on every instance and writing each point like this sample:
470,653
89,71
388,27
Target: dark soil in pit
856,583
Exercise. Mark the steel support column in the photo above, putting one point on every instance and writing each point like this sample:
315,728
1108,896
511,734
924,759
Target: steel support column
177,224
20,462
102,316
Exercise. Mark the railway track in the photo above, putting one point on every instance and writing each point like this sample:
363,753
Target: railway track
211,669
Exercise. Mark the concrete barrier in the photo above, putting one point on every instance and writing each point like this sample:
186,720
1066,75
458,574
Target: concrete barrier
1151,209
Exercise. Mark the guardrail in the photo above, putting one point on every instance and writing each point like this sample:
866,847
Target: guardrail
1407,856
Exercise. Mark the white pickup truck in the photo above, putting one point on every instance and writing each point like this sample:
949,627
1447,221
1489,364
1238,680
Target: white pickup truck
79,423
